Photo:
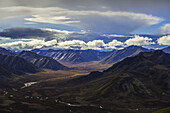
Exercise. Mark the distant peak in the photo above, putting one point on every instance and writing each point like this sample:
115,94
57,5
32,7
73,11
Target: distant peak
35,49
27,53
3,49
133,46
24,51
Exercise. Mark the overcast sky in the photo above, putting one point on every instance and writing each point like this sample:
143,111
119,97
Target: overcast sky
101,22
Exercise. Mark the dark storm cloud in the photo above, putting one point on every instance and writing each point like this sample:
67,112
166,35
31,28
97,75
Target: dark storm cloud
102,16
21,33
118,5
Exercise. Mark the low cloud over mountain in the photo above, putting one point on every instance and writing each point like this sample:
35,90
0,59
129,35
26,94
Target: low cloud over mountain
26,33
46,38
66,41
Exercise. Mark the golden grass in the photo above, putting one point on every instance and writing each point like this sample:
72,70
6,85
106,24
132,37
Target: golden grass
90,66
165,110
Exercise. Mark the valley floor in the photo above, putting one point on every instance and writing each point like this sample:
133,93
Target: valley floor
45,93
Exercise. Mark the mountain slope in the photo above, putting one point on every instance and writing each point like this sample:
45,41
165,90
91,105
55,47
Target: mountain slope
73,56
143,80
119,55
41,61
167,49
17,64
165,110
5,72
146,74
3,51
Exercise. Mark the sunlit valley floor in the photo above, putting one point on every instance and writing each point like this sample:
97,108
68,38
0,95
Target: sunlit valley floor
137,84
44,95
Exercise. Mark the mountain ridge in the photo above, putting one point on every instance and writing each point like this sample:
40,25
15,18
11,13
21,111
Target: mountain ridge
41,61
138,79
18,64
119,55
73,56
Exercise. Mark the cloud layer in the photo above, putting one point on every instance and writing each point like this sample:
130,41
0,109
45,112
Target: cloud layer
29,45
119,22
139,41
20,33
33,33
92,24
98,21
92,4
164,40
80,44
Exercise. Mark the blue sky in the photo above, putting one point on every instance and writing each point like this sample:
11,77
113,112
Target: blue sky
90,24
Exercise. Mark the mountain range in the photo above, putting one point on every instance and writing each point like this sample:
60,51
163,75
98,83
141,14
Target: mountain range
3,51
138,77
119,55
73,56
18,64
35,60
25,62
49,59
79,56
41,61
